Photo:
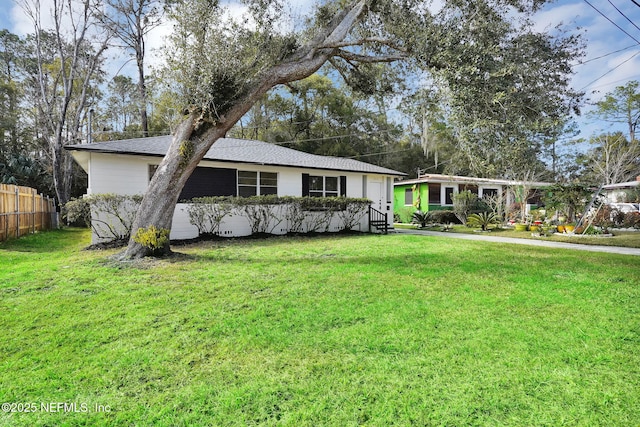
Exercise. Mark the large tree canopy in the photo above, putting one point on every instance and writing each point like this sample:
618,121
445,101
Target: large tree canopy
504,81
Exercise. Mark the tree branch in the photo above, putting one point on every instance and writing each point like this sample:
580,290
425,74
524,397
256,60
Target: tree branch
350,56
361,42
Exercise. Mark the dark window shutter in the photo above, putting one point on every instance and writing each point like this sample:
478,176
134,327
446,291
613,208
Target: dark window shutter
305,184
343,186
209,182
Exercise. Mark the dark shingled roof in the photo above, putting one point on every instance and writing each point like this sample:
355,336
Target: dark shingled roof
238,151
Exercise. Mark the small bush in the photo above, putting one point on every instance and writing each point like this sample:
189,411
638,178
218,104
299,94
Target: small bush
464,203
78,212
295,214
152,238
631,220
421,218
261,212
482,220
618,217
404,215
354,210
207,213
110,216
605,217
444,217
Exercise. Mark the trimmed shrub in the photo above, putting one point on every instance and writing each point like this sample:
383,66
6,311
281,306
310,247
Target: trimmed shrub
444,217
295,214
261,212
354,210
110,216
207,213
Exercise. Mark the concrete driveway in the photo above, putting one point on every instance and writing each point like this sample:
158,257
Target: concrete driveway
530,242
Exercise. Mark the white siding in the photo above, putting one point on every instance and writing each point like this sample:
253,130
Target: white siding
124,174
118,174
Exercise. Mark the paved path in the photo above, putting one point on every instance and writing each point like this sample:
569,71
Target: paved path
531,242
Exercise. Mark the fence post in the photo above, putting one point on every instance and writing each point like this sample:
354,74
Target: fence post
33,211
17,213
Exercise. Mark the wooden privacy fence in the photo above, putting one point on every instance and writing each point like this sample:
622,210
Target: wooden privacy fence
24,211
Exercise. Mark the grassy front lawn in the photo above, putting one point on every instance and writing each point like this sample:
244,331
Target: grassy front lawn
338,331
627,239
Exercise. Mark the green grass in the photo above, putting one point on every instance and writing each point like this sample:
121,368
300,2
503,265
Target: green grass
338,331
628,239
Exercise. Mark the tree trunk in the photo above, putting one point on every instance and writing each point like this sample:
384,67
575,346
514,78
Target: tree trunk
142,91
62,174
196,134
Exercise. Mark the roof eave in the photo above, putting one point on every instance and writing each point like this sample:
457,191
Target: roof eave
80,148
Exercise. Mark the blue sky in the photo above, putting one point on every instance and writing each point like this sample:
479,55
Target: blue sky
612,47
612,54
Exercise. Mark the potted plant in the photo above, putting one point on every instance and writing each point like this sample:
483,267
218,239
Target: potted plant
519,226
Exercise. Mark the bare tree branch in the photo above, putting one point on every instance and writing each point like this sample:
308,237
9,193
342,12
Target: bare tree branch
367,59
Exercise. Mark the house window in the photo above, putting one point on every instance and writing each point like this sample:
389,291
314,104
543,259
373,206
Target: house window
210,182
434,194
247,183
323,186
408,197
489,192
268,183
331,186
448,195
252,183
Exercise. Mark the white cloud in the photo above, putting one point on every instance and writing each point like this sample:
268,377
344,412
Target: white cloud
22,24
603,69
567,15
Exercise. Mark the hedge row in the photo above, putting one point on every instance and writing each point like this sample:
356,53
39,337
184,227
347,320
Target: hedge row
111,216
265,213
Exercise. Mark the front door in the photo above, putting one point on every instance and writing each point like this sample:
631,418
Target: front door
375,194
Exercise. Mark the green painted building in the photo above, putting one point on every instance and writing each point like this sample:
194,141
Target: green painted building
435,192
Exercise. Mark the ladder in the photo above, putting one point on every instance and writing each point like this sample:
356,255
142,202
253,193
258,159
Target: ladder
588,209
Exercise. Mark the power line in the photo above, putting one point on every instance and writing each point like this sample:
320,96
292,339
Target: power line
608,19
617,81
613,69
622,13
607,54
379,153
636,3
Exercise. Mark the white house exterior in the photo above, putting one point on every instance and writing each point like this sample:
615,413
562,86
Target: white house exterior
235,167
618,195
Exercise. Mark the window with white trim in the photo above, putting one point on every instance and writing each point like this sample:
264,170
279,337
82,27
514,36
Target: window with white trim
408,196
324,186
489,192
448,195
252,183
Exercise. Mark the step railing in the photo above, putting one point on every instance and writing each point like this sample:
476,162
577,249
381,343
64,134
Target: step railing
378,220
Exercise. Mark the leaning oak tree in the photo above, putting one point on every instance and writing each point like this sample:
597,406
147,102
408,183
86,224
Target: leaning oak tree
222,61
